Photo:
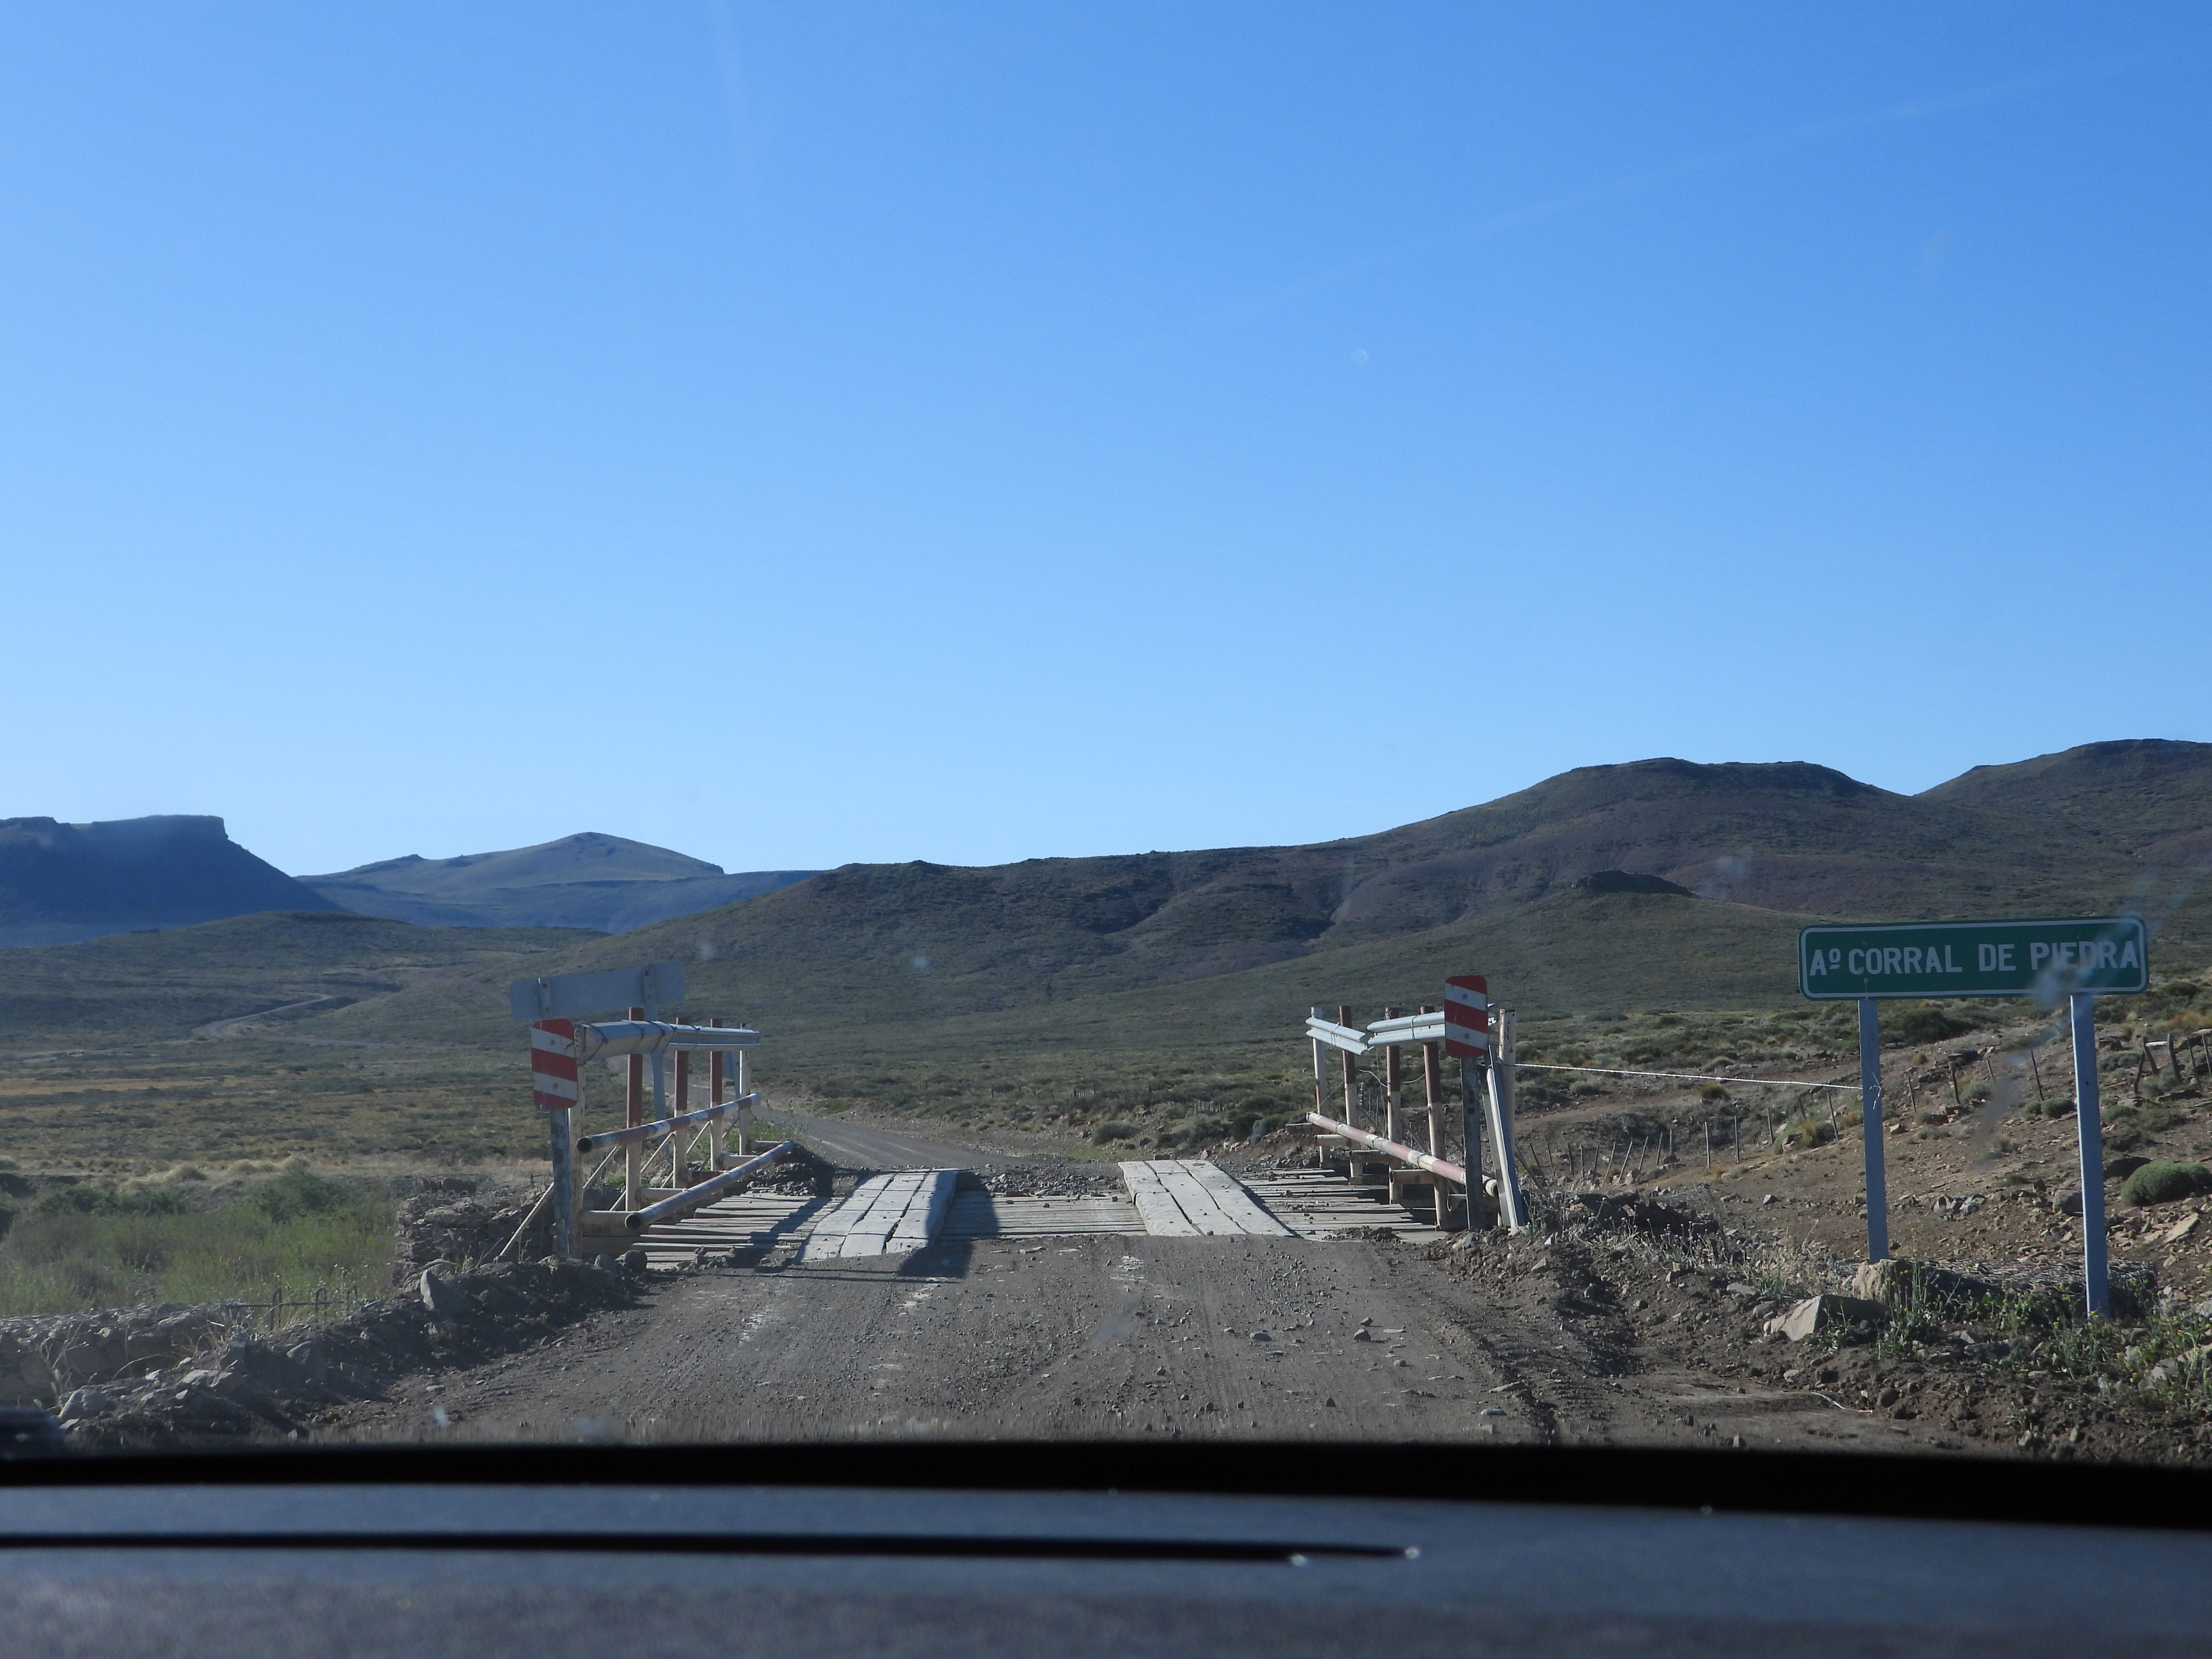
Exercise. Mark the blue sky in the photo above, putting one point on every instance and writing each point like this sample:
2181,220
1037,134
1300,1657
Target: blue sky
813,433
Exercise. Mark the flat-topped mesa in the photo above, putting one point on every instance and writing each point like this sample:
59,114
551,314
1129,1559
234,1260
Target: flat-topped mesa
61,883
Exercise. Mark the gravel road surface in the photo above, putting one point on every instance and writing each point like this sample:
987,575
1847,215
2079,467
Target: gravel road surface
1100,1336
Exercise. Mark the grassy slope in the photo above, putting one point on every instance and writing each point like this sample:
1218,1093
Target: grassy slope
154,986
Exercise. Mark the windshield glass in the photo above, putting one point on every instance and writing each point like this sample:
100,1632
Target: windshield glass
611,609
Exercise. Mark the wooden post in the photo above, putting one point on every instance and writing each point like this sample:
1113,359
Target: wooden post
744,1113
678,1160
1432,1095
633,1114
715,1098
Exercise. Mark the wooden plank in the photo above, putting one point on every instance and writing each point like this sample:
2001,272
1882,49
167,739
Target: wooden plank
828,1239
925,1215
1235,1200
1196,1203
888,1214
1162,1215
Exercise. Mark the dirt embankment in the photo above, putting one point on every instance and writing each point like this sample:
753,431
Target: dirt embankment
224,1384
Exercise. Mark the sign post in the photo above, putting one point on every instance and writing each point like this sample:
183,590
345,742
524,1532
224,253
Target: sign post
1467,1039
1871,1118
1510,1205
554,1082
555,1088
2089,1124
2072,960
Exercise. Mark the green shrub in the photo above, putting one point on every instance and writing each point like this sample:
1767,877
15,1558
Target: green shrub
300,1191
1114,1130
2162,1184
1924,1022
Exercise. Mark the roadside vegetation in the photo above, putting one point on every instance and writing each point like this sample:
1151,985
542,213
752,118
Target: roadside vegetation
247,1236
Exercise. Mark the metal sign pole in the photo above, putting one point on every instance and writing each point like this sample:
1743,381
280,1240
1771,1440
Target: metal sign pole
564,1187
1351,1080
1509,1209
1320,1080
2096,1286
1870,1124
1470,1130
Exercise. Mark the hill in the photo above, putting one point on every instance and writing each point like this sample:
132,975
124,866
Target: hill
65,882
1522,881
1645,911
2150,797
597,881
1655,884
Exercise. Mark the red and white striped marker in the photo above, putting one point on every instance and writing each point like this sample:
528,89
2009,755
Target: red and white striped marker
1467,1016
553,1081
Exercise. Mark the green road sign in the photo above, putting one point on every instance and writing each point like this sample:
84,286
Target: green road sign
2047,960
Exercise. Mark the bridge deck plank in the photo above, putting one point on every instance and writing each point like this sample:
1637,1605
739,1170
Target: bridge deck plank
1185,1196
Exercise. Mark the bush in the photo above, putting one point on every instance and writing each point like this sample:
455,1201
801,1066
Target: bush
1115,1130
85,1199
300,1191
2162,1184
1925,1022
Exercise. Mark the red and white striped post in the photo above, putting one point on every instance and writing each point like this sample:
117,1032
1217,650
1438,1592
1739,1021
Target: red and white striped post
555,1089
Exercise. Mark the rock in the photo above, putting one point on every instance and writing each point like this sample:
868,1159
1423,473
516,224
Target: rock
85,1402
605,1263
441,1296
1361,1335
636,1259
310,1361
2120,1168
2176,1367
1825,1312
1895,1282
2067,1201
2203,1309
1767,1198
2181,1229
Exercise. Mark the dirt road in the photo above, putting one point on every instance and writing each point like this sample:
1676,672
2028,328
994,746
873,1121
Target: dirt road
860,1145
1102,1336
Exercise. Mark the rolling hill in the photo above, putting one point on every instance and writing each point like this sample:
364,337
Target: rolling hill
600,881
